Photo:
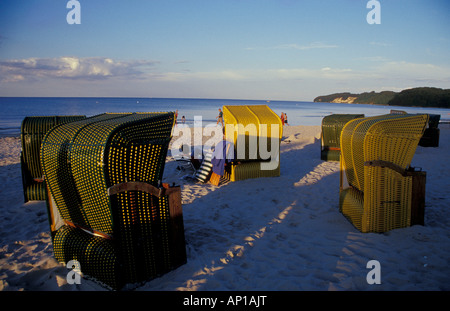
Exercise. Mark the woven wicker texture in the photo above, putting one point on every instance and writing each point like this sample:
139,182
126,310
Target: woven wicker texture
55,158
35,191
32,132
332,126
246,170
81,161
252,124
378,198
97,256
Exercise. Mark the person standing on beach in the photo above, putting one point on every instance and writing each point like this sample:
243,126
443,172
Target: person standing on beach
285,119
223,153
220,117
282,118
176,116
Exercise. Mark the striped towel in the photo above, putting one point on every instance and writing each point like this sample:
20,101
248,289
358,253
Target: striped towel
204,171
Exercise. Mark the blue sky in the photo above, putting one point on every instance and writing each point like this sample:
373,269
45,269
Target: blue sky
237,49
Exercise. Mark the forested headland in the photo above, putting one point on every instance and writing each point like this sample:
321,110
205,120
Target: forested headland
415,97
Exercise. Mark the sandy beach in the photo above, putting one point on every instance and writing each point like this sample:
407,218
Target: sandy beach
269,234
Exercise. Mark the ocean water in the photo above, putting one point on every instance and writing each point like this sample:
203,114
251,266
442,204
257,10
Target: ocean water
14,109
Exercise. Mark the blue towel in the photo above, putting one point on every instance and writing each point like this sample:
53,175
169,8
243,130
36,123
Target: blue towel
220,156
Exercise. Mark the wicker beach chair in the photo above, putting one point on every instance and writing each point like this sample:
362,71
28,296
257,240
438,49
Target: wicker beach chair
379,191
331,132
107,208
430,137
251,133
32,131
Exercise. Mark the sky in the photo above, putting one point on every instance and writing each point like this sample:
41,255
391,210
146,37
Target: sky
228,49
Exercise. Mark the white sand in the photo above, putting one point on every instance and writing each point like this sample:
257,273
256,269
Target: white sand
280,233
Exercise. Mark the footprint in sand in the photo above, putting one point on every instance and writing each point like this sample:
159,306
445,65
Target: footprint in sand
421,237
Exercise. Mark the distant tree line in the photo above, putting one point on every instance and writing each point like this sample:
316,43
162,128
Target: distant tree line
415,97
422,97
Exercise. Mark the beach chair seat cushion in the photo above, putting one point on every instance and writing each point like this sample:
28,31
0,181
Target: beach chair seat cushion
246,170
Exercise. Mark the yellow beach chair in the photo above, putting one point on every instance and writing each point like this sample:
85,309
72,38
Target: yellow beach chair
379,191
255,131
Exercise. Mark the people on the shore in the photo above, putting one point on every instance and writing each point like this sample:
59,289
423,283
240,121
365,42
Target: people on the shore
223,153
284,118
220,117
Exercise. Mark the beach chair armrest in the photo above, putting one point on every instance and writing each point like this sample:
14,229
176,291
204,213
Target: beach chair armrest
140,186
386,164
404,172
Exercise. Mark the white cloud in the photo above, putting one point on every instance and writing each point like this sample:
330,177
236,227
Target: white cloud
415,70
384,44
73,76
13,78
262,74
401,72
313,45
294,46
90,68
377,59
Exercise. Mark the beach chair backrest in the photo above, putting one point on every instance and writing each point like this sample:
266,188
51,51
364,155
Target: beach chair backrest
332,126
376,156
32,131
252,125
83,159
391,137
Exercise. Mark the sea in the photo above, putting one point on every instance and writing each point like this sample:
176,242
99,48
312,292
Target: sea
14,109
